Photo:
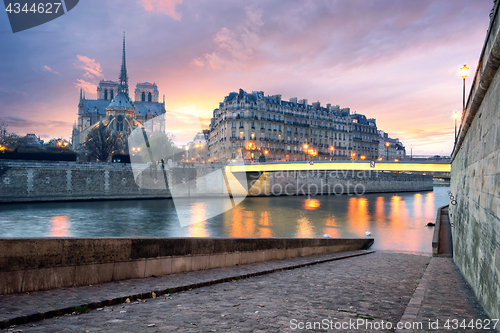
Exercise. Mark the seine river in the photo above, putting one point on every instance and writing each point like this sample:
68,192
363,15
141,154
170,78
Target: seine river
397,221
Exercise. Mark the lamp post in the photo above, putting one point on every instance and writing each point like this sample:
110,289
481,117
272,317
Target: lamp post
305,151
387,144
464,70
411,152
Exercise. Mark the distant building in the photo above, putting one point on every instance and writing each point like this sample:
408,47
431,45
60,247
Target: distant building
197,150
390,149
366,140
114,108
255,125
33,140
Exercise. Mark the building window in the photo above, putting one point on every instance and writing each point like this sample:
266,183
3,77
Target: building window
143,96
241,135
111,93
149,97
105,93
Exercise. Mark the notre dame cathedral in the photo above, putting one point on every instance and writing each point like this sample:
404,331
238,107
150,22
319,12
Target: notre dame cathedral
114,108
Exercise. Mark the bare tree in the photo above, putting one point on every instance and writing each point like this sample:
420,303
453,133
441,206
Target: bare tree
12,141
102,143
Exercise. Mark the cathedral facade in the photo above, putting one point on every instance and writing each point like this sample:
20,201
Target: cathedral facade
116,110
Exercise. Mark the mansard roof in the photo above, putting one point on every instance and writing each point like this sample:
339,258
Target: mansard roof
88,105
141,108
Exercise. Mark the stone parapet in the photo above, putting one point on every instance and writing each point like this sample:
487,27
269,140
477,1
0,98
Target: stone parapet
47,263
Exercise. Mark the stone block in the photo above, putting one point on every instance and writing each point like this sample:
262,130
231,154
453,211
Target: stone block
280,254
250,257
217,260
232,259
269,255
129,269
93,274
32,253
158,266
200,262
48,278
94,250
11,282
181,264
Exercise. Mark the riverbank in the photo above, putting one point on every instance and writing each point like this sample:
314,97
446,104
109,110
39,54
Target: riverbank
372,288
35,181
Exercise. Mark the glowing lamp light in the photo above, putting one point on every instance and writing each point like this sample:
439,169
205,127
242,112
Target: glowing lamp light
332,148
387,144
464,71
266,152
456,115
363,157
396,160
306,146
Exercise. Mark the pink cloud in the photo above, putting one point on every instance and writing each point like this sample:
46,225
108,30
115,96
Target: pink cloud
91,67
237,47
166,7
48,69
86,86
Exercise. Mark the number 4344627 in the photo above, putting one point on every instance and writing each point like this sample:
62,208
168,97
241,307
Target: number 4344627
41,8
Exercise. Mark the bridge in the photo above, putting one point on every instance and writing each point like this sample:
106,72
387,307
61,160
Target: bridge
431,168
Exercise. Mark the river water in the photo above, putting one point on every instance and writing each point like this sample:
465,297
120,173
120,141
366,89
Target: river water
397,221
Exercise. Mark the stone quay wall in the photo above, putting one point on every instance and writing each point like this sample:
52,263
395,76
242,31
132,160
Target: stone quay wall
27,181
474,208
337,182
48,263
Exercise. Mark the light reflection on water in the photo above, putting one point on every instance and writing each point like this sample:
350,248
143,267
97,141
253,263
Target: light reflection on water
396,221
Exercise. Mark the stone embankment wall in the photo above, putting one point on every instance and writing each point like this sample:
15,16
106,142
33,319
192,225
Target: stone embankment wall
47,263
336,182
475,179
47,181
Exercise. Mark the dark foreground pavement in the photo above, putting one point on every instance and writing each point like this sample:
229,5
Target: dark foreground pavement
367,293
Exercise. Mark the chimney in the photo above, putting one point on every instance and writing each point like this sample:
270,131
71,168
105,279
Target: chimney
293,100
278,98
328,106
317,105
303,101
240,94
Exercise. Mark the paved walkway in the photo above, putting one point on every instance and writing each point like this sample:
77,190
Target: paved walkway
371,290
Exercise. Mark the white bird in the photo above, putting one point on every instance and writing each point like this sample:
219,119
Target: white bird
368,233
327,236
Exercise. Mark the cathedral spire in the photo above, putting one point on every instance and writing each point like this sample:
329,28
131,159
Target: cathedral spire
81,96
123,87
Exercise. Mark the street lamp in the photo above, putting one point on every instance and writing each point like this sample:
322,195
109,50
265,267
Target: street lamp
387,144
455,116
464,70
411,152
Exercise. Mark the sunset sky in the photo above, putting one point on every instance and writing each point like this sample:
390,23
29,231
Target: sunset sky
394,60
